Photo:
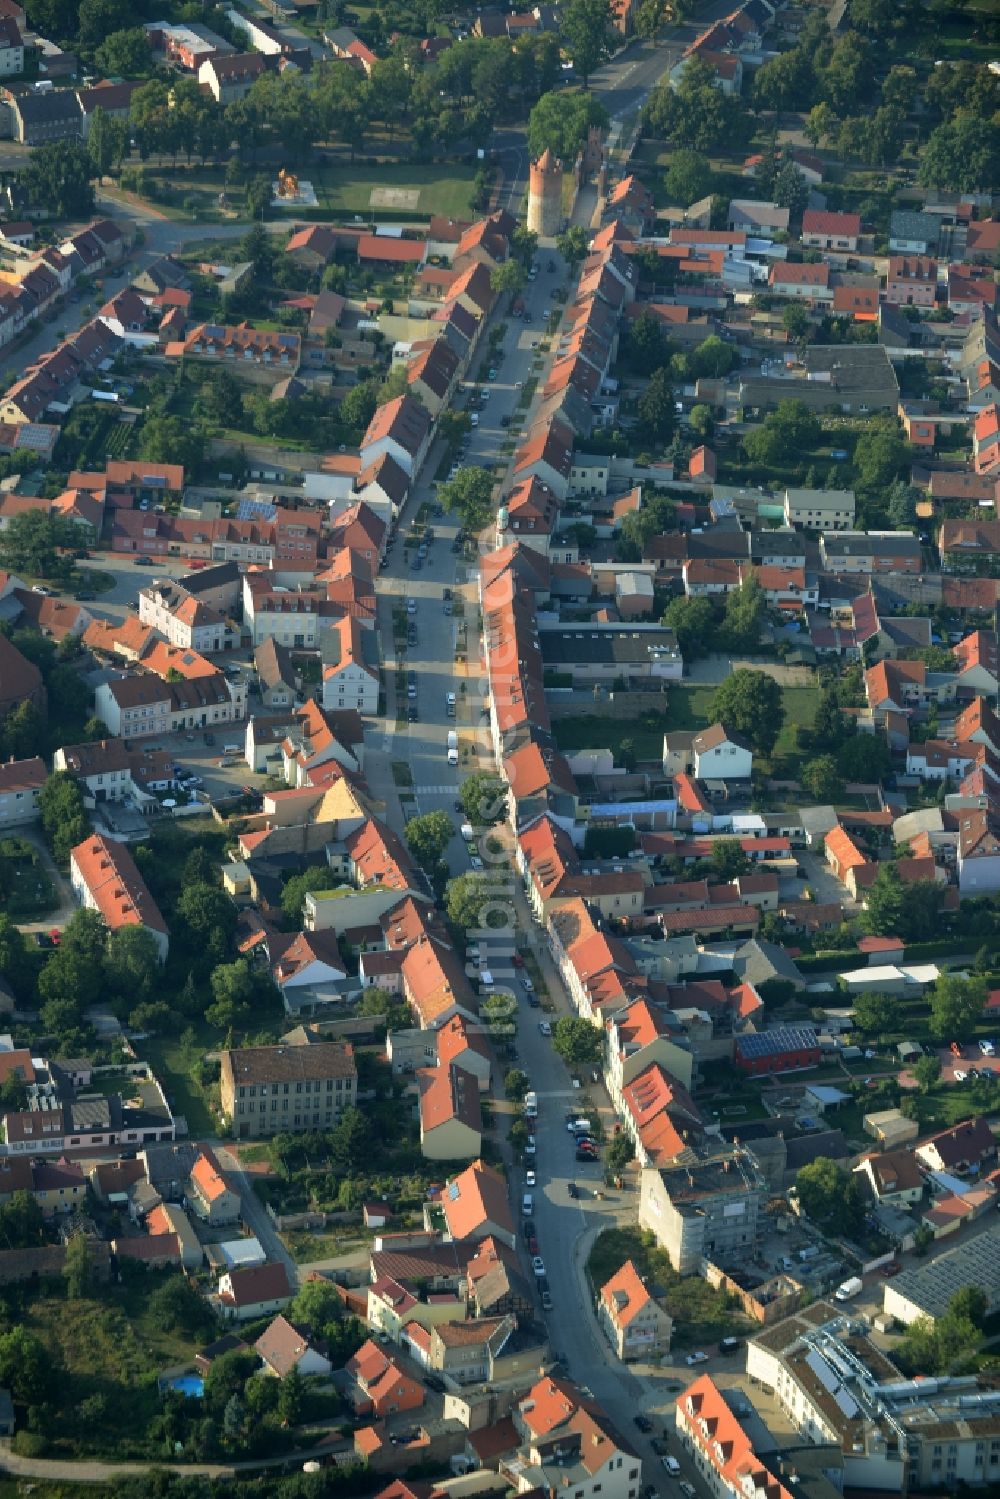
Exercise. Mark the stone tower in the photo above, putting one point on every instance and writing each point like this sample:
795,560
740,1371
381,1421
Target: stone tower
545,195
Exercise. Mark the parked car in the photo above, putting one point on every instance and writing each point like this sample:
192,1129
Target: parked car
208,738
528,1229
144,562
643,1423
546,1301
544,1028
573,1190
696,1358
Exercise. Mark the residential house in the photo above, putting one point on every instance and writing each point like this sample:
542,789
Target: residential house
893,1178
450,1114
964,1150
20,783
276,677
820,509
401,428
209,1194
911,281
381,1386
913,232
720,754
283,1347
823,230
349,657
464,1352
475,1206
634,1323
253,1291
106,879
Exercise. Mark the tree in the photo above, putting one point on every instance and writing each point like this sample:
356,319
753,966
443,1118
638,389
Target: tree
969,1302
795,320
132,961
821,123
176,1306
205,909
750,702
291,1397
295,890
168,439
508,278
745,607
695,112
787,81
124,54
956,1006
77,1267
379,1002
559,123
232,994
646,347
22,1224
57,178
693,622
572,245
15,962
875,1014
470,493
926,1070
483,798
712,359
524,243
107,142
901,500
880,454
579,1043
359,405
657,417
98,19
884,903
649,18
786,433
587,31
428,836
29,542
728,859
619,1153
155,1017
220,400
863,758
829,1195
963,154
466,898
849,72
821,779
27,1367
689,177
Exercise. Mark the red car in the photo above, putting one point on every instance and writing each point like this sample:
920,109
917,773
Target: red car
532,1245
518,960
56,936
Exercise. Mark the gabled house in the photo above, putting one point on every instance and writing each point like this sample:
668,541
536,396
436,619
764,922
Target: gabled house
283,1347
634,1323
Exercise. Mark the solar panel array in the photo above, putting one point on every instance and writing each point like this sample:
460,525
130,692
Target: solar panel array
784,1038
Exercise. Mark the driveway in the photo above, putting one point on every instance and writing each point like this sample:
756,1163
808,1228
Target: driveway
254,1213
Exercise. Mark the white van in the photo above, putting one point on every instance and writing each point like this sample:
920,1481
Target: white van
531,1105
453,739
527,1205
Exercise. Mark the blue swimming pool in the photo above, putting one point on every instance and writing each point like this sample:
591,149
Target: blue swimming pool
191,1385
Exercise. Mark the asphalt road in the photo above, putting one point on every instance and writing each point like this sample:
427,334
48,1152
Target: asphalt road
423,745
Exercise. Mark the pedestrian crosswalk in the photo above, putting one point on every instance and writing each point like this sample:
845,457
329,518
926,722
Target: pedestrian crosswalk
451,790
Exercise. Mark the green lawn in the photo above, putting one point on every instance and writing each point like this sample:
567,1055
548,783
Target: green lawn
440,189
686,708
173,1060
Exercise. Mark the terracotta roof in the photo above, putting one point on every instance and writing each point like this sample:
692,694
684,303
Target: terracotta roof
115,885
475,1198
624,1295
